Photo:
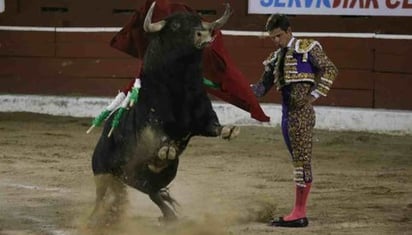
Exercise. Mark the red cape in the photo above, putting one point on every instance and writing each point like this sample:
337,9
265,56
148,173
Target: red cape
217,64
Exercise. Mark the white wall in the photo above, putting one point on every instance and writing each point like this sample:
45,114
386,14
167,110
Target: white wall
331,118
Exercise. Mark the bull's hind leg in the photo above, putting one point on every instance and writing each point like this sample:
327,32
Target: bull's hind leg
166,204
119,201
111,198
102,184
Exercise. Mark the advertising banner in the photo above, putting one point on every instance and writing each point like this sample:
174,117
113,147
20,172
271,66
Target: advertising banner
332,7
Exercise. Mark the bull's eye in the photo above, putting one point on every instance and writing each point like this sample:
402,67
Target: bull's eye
199,34
175,26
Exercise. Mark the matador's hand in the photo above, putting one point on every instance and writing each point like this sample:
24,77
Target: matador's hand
298,177
311,99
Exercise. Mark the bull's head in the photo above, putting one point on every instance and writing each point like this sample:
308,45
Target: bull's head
202,32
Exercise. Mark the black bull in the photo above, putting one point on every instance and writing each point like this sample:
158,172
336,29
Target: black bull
143,152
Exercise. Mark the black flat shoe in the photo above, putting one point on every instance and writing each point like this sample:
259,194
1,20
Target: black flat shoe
297,223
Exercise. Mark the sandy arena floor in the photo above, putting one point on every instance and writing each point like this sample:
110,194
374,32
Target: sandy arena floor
362,183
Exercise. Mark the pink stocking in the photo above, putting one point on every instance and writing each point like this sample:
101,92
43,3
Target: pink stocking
299,211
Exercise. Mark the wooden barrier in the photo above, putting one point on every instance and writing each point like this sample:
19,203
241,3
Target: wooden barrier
374,73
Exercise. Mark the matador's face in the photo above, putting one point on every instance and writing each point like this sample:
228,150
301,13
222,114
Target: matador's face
281,37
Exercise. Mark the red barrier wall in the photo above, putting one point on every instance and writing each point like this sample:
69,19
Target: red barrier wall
374,73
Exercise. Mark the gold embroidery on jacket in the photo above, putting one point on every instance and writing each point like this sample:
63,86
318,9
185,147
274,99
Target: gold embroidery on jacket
327,70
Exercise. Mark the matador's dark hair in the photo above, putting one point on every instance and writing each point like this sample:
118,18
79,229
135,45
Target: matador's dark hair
277,21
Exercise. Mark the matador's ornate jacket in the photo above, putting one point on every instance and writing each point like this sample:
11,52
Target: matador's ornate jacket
297,71
305,61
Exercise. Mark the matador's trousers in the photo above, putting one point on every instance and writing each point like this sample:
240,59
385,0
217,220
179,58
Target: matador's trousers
298,121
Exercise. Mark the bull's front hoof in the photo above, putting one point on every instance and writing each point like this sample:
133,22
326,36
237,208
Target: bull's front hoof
167,152
230,132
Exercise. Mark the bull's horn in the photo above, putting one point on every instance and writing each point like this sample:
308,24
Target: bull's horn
221,21
150,27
